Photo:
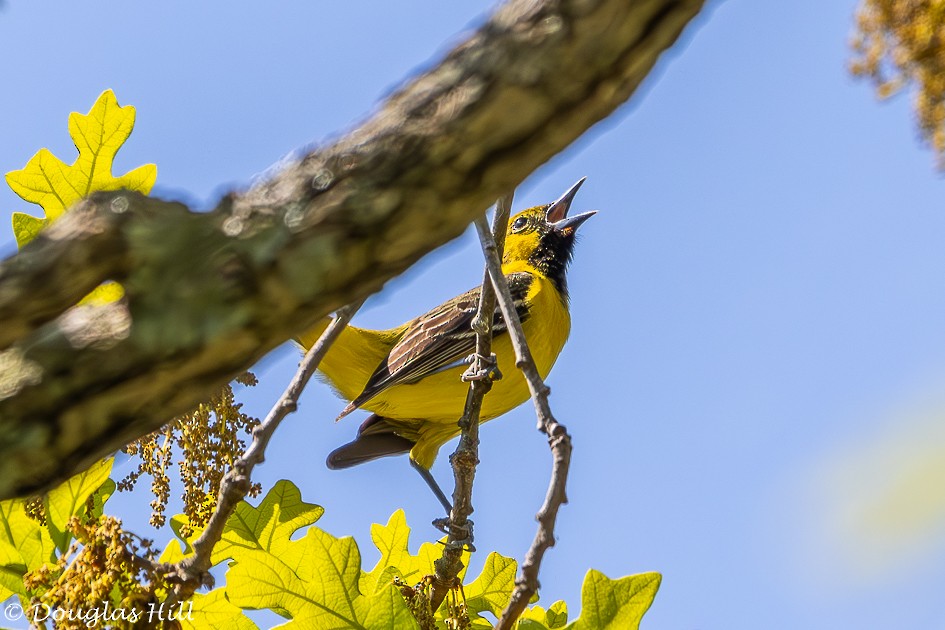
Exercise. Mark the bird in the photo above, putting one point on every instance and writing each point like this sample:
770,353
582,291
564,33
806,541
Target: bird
409,377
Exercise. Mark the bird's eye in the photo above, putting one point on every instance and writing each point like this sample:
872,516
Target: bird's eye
519,224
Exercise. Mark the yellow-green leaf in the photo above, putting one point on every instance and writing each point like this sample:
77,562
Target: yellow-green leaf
69,499
317,581
55,186
173,552
24,534
214,610
392,541
12,568
49,182
25,545
537,618
26,227
104,492
492,590
314,583
177,550
267,527
557,615
615,604
386,609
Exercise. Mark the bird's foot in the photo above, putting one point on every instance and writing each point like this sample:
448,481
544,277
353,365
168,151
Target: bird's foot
462,535
481,367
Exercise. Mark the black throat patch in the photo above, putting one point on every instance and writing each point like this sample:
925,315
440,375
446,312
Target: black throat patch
552,257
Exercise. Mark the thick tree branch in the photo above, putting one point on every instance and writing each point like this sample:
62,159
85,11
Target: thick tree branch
209,294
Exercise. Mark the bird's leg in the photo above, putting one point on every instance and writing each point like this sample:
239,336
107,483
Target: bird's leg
481,367
434,486
445,524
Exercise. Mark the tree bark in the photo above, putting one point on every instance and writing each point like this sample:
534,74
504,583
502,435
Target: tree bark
209,294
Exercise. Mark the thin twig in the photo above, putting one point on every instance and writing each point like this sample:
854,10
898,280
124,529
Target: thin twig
466,456
526,584
193,571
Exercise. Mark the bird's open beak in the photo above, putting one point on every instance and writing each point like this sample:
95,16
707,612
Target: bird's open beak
557,213
572,223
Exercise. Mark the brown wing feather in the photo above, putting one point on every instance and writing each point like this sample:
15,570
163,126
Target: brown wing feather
439,339
448,321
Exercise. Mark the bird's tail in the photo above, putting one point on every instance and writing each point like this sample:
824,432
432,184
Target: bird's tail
376,438
353,357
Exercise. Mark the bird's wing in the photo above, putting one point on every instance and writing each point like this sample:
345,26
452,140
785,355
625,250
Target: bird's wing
440,339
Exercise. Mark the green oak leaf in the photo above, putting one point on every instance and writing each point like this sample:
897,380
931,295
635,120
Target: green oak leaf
615,604
491,591
12,568
70,499
51,183
537,618
392,541
314,583
214,610
30,539
26,227
268,527
55,186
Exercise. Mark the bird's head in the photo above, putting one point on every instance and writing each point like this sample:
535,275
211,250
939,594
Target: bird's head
543,238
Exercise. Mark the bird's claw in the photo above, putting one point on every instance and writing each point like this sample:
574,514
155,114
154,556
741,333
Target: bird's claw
442,524
481,367
465,530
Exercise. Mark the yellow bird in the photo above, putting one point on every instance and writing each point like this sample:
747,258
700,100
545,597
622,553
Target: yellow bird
409,376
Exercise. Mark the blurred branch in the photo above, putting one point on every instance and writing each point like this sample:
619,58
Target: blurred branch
209,294
193,571
466,456
526,584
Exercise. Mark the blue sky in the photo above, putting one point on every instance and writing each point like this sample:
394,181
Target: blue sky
755,381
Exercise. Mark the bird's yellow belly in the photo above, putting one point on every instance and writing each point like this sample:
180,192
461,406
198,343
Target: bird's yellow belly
441,397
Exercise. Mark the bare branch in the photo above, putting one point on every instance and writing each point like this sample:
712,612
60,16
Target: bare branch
526,584
466,456
192,572
211,293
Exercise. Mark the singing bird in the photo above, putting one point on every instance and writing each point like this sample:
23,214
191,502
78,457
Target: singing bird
409,376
